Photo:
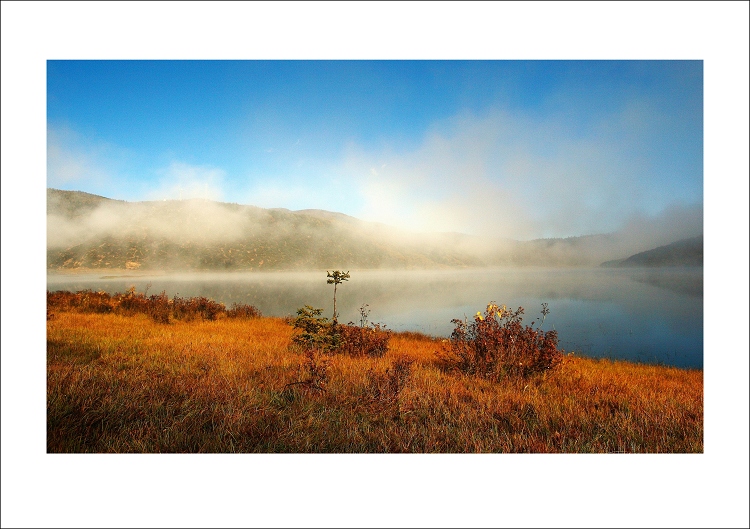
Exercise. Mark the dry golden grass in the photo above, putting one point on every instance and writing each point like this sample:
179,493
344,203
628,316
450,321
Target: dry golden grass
127,384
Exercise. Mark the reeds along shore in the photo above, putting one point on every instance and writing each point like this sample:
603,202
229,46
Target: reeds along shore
120,381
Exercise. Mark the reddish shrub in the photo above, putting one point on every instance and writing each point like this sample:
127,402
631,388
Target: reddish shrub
363,341
159,307
496,345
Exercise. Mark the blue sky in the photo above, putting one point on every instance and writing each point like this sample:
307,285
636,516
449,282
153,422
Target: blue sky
547,148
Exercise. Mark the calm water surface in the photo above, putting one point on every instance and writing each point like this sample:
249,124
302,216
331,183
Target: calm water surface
645,315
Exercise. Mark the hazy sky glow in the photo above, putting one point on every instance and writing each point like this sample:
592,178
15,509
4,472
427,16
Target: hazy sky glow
513,148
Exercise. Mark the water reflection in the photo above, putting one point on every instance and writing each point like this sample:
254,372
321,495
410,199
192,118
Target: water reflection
637,314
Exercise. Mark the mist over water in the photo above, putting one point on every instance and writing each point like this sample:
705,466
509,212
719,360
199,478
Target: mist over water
646,315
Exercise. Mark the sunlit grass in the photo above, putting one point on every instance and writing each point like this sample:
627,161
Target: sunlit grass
128,384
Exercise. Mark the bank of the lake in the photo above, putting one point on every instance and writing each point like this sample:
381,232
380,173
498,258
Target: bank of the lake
120,383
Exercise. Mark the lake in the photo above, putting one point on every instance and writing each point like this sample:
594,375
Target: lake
644,315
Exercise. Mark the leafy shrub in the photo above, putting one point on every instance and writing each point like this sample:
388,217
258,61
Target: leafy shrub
327,336
496,345
315,332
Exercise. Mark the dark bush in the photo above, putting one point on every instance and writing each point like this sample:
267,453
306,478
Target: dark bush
240,310
158,307
131,302
198,307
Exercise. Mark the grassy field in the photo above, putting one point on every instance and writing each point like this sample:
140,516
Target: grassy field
126,383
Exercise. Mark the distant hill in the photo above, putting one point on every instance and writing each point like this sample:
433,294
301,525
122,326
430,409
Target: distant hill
74,204
86,231
685,252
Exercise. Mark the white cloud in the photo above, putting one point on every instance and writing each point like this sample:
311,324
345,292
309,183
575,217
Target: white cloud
506,174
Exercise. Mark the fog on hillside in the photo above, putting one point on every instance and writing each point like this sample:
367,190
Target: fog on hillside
315,239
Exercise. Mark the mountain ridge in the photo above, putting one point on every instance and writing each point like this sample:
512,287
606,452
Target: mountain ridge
685,252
